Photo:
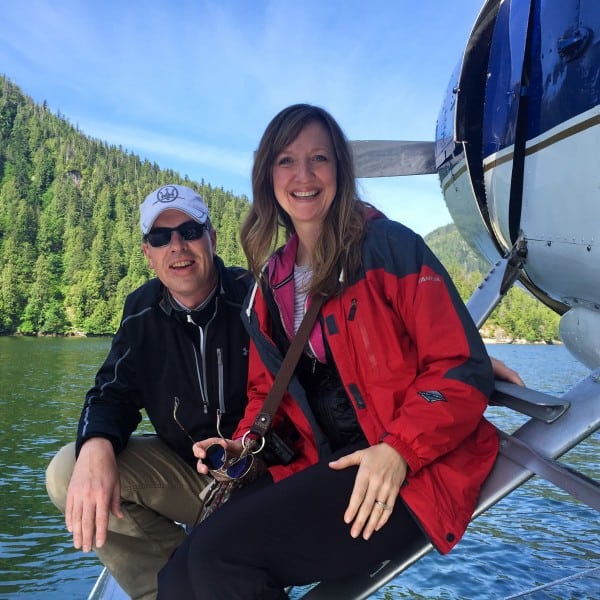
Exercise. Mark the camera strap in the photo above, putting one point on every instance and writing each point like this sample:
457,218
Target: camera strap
264,419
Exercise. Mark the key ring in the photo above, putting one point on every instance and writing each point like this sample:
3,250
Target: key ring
247,444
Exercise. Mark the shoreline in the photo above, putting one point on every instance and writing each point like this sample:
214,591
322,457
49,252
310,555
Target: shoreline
81,335
493,341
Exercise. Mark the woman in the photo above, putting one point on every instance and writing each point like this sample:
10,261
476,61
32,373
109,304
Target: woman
385,409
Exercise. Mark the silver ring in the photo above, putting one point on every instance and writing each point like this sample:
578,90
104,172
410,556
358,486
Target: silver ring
247,443
383,505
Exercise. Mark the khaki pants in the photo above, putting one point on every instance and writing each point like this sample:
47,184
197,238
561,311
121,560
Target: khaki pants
158,491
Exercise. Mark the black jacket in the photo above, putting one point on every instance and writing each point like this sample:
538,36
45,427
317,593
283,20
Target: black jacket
158,355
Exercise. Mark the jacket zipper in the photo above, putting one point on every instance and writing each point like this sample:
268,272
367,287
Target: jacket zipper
221,381
352,312
201,377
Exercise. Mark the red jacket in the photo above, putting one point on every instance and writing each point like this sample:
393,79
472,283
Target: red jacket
412,363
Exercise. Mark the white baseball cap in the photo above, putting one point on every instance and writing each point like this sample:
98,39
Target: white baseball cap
171,197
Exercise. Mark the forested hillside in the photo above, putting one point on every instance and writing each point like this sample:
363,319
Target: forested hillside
70,241
518,317
69,235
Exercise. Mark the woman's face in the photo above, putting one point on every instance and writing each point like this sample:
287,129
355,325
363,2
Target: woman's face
304,177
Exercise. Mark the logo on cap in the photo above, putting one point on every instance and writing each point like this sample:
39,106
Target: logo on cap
166,194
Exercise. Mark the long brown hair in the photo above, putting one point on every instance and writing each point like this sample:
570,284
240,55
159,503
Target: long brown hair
338,249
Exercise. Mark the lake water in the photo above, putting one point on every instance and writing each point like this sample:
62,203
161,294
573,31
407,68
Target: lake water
535,536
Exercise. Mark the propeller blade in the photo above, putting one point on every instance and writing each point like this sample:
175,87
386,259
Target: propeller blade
389,158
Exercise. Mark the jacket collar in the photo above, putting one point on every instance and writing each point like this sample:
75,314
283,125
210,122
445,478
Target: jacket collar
168,304
281,264
280,275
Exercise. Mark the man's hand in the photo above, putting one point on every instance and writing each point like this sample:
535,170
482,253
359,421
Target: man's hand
94,492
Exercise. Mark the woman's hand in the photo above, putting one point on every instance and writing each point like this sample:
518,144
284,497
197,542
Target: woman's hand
501,371
233,448
381,472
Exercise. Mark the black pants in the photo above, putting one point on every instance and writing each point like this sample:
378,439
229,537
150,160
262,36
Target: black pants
269,536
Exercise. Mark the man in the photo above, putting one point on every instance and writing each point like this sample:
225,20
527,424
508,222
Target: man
181,354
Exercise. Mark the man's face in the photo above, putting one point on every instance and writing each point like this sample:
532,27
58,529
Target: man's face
185,267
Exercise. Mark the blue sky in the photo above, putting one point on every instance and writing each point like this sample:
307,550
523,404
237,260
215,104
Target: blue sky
191,84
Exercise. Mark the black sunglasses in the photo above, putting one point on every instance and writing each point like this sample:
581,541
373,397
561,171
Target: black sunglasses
161,236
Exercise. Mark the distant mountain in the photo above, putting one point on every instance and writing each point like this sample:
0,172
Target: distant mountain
449,246
519,317
70,242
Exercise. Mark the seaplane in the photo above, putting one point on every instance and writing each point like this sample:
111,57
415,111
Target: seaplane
516,151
